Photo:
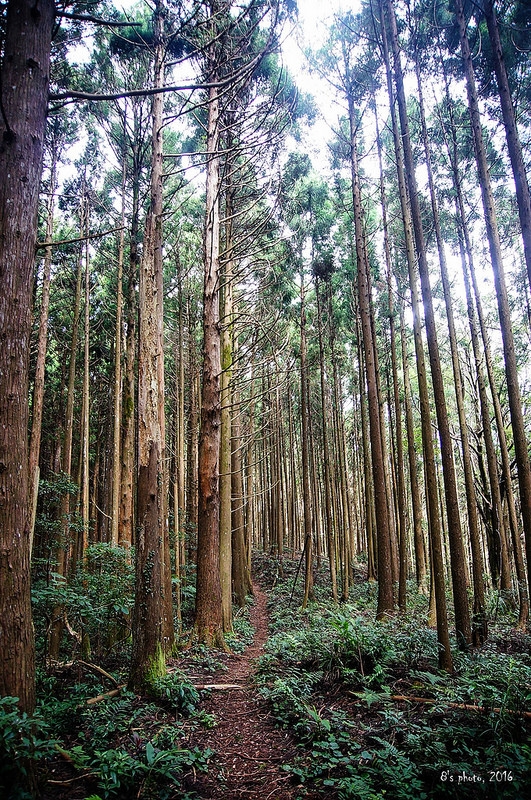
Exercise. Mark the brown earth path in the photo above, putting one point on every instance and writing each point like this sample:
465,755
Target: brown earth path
249,749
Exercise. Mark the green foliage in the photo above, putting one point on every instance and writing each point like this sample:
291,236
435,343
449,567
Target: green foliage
97,602
374,748
23,739
121,744
176,691
243,633
157,771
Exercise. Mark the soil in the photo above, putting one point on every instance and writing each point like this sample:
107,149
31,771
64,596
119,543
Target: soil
249,749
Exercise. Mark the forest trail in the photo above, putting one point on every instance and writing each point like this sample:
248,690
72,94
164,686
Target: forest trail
249,749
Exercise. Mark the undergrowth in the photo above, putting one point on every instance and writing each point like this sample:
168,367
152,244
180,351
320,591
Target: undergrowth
331,675
117,747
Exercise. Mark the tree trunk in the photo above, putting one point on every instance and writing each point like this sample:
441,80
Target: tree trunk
208,610
241,576
305,435
329,521
38,386
436,545
117,393
24,92
225,478
383,532
458,562
523,195
479,632
511,369
82,542
152,619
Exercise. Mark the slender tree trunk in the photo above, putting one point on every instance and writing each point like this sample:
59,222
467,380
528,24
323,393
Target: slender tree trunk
458,563
418,534
330,533
523,195
225,453
383,532
436,545
82,542
127,476
480,617
38,386
241,574
63,545
117,394
305,435
511,369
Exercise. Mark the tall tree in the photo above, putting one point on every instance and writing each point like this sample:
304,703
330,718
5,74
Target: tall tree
208,609
24,91
489,210
152,619
457,561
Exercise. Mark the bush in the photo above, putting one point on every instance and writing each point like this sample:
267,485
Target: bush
24,740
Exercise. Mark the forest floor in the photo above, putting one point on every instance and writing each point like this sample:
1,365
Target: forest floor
249,749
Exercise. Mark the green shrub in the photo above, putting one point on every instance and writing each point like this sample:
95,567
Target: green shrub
24,740
175,690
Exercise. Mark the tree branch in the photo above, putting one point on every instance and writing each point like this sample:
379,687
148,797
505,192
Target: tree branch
96,20
41,245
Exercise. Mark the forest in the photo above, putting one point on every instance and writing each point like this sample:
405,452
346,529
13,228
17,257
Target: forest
265,415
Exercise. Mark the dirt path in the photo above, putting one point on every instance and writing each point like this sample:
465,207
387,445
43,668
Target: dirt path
250,750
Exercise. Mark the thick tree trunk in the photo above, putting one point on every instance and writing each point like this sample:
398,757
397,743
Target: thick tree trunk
24,92
208,610
152,617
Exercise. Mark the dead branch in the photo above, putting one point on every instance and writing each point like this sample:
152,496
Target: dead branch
217,686
41,245
97,669
401,698
93,700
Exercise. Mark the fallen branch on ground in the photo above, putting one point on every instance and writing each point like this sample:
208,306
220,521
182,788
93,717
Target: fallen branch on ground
217,686
401,698
97,669
93,700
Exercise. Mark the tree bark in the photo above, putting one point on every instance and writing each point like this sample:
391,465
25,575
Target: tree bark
24,91
479,632
511,369
436,544
457,561
208,610
523,195
305,436
383,532
152,617
38,386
